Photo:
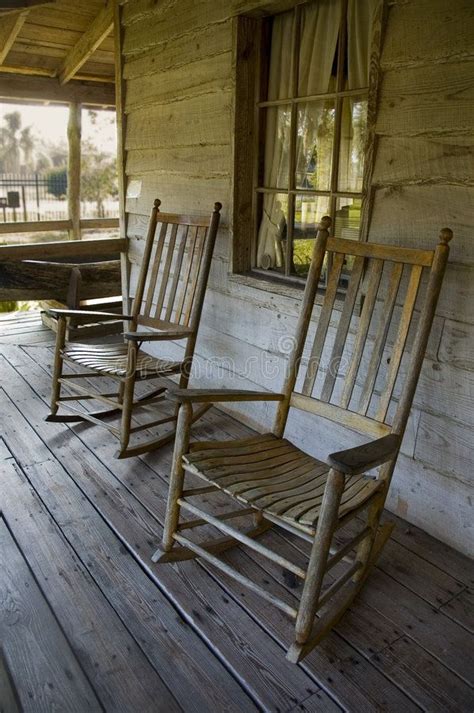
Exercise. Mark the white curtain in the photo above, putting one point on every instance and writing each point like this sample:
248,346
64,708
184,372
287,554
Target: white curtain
319,33
320,25
360,14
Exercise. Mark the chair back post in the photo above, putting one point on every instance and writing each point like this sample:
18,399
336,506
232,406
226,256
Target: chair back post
137,302
200,293
420,343
304,318
205,267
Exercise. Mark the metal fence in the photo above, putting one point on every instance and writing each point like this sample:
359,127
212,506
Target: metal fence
37,197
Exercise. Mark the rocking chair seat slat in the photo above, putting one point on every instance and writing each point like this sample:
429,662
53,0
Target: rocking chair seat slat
112,359
274,476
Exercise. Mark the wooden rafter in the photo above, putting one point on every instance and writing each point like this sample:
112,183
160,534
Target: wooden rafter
9,29
49,89
88,43
42,72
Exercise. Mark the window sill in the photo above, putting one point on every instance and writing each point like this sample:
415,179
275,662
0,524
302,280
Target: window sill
292,289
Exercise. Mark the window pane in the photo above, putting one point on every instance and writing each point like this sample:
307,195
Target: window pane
353,140
314,144
320,22
308,212
277,147
347,219
279,78
273,231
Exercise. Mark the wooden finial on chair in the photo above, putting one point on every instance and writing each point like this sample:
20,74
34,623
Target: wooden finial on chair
156,203
325,224
445,235
217,207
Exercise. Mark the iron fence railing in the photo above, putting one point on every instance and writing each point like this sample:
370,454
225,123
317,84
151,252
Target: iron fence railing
41,197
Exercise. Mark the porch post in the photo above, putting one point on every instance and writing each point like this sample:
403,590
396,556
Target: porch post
74,170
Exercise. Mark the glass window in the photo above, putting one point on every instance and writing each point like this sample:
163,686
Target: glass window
313,119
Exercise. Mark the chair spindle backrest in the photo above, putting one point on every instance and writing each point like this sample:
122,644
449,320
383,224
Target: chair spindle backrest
358,365
174,269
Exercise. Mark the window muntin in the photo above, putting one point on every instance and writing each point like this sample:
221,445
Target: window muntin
313,112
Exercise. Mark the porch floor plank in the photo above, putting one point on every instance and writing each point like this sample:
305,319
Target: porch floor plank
181,637
46,673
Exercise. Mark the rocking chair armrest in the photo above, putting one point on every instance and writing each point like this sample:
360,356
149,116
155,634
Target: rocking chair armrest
179,333
189,396
53,312
355,461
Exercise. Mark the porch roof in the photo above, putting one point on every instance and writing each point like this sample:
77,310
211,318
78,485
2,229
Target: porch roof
57,51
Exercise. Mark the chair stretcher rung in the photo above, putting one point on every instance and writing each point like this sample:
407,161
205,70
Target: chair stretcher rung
205,555
253,544
151,424
335,586
85,415
92,395
343,551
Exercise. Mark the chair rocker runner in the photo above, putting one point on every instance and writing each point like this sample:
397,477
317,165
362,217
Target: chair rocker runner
361,375
168,300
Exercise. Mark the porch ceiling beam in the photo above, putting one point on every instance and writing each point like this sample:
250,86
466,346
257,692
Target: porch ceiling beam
47,89
88,43
9,29
41,72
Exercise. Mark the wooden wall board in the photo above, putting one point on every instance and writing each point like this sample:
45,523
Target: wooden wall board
45,671
181,193
425,210
457,345
428,31
193,121
446,445
441,505
436,99
208,76
182,51
446,160
211,160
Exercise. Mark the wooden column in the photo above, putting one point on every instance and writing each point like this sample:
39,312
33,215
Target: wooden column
74,170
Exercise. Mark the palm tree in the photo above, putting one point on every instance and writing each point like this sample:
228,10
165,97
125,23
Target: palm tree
27,145
9,144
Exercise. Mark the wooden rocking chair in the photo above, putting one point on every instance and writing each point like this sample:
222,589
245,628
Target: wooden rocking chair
275,482
168,299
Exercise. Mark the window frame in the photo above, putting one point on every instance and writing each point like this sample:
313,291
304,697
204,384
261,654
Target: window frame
251,36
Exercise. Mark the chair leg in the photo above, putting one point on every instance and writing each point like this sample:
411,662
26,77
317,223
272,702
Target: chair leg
365,549
177,476
127,389
57,367
317,562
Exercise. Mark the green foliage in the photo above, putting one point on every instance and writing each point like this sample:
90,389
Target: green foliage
57,182
98,176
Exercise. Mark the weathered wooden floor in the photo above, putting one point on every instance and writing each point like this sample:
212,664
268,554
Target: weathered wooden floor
87,623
